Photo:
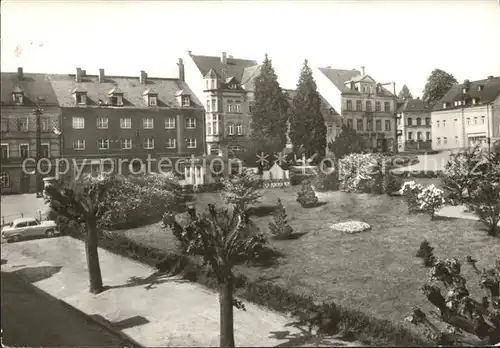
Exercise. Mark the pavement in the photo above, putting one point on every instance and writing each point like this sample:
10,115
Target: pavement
23,205
457,212
149,307
32,318
434,162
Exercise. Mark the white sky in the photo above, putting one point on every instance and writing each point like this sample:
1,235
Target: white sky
400,41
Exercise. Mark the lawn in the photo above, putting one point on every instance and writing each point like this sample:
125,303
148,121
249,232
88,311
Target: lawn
375,271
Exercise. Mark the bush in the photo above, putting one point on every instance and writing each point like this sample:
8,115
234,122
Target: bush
280,228
306,196
297,179
425,252
327,181
392,183
410,191
430,200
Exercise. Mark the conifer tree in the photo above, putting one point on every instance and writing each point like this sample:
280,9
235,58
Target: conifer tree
280,228
405,93
307,126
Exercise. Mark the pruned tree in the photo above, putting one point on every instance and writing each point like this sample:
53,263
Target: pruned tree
457,308
438,84
348,141
242,190
279,228
83,202
405,93
222,239
307,126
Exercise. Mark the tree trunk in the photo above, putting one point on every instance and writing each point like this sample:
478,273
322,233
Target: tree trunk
226,313
95,278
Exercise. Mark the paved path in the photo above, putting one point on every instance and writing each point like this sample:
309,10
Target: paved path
31,318
457,212
151,308
428,162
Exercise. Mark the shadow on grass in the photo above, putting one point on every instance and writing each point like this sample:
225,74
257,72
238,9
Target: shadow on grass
122,324
443,218
304,337
36,274
268,257
149,282
261,210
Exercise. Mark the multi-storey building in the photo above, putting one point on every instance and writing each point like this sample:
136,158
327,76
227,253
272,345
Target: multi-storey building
224,85
467,115
115,122
21,93
365,105
414,125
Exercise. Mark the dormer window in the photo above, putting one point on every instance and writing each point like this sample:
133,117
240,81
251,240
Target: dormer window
186,100
151,97
480,88
475,101
116,97
152,100
18,96
445,105
183,98
81,98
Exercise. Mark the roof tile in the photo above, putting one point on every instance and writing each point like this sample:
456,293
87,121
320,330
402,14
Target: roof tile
34,87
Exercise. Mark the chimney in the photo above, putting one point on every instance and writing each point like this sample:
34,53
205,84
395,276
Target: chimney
466,82
101,75
190,52
490,77
20,73
181,69
362,70
84,73
223,58
78,76
143,77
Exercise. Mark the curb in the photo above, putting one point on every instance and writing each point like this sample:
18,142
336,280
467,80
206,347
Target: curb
126,340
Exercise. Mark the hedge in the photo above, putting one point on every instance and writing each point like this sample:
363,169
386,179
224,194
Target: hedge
358,325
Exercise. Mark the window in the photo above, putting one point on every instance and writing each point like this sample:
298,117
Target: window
349,124
234,148
190,123
207,84
439,141
444,123
237,106
5,151
191,143
213,124
455,122
378,106
214,105
208,105
170,123
214,84
239,129
445,140
125,123
215,149
81,98
427,136
79,145
399,121
78,123
419,121
387,125
359,124
475,120
186,100
23,124
229,106
456,139
468,121
410,135
45,124
378,125
149,143
368,105
369,125
171,143
126,144
387,107
4,125
230,129
427,121
438,123
24,150
103,144
483,119
147,123
102,122
419,136
17,98
349,105
152,100
117,100
5,179
45,150
410,121
358,105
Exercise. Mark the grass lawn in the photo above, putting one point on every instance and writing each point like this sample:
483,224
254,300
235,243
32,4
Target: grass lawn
375,271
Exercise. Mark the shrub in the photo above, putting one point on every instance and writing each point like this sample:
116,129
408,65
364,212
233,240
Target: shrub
392,183
280,228
306,196
425,252
430,200
242,190
327,181
410,191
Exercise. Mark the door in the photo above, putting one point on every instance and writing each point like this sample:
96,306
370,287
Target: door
25,182
33,229
20,229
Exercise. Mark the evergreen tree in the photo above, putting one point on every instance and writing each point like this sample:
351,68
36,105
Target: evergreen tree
306,197
280,228
269,114
438,83
347,142
405,93
425,252
307,126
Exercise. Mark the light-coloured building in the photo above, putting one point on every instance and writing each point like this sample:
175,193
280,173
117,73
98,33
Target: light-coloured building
414,125
363,103
467,115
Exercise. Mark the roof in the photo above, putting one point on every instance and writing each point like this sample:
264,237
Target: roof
249,75
339,77
328,112
489,92
233,67
16,221
211,73
166,88
36,88
414,105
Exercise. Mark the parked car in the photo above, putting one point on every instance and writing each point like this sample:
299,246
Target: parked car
29,227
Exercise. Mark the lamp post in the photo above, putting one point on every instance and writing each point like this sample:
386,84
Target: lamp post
39,184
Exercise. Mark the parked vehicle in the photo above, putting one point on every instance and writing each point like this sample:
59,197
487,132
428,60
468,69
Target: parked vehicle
29,227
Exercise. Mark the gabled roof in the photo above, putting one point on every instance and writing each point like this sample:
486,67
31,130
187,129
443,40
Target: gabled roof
132,89
489,92
36,88
361,78
79,89
18,90
211,74
328,112
249,75
231,79
150,91
414,105
182,92
234,67
115,90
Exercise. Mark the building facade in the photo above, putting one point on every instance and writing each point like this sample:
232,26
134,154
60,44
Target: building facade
223,84
467,115
364,105
21,94
414,125
115,123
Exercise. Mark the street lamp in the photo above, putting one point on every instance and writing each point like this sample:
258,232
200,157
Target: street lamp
39,184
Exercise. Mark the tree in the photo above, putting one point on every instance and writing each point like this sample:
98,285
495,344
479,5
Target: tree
438,83
242,190
306,197
83,203
425,252
307,126
405,93
348,141
269,114
280,228
222,238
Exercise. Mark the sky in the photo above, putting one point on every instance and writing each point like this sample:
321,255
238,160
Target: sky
399,40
